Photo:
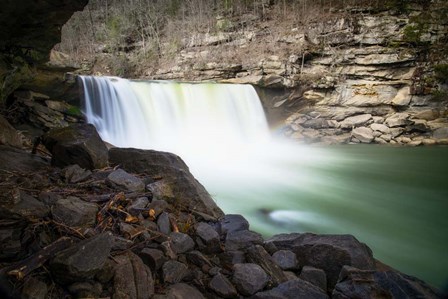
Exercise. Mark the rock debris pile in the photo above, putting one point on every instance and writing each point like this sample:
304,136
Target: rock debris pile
143,227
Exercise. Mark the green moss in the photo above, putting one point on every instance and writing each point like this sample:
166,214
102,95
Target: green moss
439,95
74,111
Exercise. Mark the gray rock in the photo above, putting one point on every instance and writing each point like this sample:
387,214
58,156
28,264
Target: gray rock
138,205
230,258
285,259
132,279
363,134
181,242
74,174
355,121
395,132
249,278
314,276
163,223
355,283
331,252
169,252
34,289
441,133
82,260
233,223
11,232
177,186
284,241
380,128
73,211
9,135
293,289
121,179
13,159
24,205
174,271
85,289
398,120
258,255
209,239
107,272
158,206
76,144
153,258
237,240
181,291
222,286
49,198
197,258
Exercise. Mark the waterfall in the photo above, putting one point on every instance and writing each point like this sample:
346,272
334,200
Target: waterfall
376,193
175,117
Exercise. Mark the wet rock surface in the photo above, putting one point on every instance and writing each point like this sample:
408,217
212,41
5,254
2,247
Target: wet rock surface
72,238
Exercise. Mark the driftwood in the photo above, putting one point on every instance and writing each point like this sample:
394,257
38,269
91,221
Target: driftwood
25,267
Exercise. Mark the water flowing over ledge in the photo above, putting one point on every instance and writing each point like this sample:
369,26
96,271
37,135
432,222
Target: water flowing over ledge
391,198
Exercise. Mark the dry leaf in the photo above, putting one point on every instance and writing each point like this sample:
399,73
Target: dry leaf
152,214
131,219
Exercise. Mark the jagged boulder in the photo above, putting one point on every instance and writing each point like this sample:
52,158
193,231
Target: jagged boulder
9,135
175,183
76,144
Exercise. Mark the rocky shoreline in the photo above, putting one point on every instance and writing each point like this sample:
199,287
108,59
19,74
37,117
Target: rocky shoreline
128,223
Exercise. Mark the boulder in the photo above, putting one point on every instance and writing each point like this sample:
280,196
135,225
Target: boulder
23,205
356,283
153,258
181,291
441,133
138,205
314,276
73,211
222,286
355,121
34,289
285,259
74,174
176,185
249,278
230,258
363,134
242,239
9,135
331,252
181,242
398,120
123,180
174,271
13,159
403,97
86,289
233,223
132,279
76,144
82,260
293,289
208,238
258,255
380,128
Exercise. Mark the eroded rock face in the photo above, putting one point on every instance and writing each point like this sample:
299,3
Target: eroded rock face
27,40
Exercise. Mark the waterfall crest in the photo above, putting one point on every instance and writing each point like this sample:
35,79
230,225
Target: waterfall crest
175,117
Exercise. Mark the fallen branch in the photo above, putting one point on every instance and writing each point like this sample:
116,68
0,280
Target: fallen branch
26,266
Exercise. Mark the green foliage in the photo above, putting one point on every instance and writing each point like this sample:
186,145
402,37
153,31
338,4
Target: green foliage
413,33
439,95
441,73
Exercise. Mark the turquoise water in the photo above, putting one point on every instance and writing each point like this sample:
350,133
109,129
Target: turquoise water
395,199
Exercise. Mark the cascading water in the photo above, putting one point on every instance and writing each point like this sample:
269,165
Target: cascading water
394,199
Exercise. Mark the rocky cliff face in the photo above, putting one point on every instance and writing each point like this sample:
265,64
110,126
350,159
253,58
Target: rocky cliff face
361,76
28,31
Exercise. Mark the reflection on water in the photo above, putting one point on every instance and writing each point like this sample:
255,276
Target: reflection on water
395,199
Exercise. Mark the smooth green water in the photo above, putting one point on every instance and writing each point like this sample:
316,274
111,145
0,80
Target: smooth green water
395,199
